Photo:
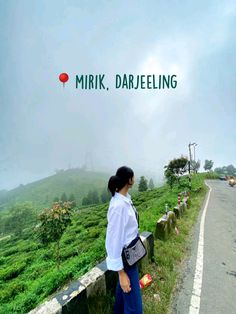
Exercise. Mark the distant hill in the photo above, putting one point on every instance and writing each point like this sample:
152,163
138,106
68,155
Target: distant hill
3,193
43,192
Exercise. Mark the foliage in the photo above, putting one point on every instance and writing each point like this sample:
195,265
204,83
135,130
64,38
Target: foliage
208,165
34,277
105,196
91,198
175,169
143,186
42,193
64,197
151,184
195,165
20,216
229,170
169,256
211,175
53,223
72,200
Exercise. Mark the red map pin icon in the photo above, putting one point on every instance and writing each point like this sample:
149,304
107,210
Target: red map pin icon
63,77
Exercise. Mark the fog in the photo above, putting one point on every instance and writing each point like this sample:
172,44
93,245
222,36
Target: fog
44,126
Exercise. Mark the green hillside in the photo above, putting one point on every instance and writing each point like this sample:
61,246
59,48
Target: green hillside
28,274
42,192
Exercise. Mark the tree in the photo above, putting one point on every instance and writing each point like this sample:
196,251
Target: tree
95,197
219,170
170,177
91,198
208,165
21,216
56,199
175,169
143,186
64,197
151,184
72,200
195,165
229,170
53,223
105,196
85,201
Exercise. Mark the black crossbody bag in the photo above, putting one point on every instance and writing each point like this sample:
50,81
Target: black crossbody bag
136,250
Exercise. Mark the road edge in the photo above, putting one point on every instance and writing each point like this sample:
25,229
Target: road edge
191,252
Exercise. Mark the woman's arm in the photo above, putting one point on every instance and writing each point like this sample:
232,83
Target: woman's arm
114,245
124,281
115,238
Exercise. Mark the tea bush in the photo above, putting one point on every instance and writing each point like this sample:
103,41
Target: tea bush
28,273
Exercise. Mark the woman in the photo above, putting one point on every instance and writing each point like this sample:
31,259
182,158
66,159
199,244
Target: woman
122,228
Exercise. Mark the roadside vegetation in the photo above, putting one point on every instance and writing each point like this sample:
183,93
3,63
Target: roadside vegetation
29,272
169,254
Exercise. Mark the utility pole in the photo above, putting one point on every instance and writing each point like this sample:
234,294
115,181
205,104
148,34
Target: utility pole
189,176
190,161
189,157
195,144
194,156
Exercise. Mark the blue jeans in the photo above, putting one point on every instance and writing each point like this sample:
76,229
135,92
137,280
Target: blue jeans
131,302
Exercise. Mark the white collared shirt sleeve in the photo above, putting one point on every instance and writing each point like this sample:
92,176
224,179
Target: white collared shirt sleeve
115,237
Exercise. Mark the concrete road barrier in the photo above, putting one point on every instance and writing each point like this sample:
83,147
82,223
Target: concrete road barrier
88,293
164,225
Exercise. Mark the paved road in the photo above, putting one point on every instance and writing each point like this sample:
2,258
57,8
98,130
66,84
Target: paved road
218,283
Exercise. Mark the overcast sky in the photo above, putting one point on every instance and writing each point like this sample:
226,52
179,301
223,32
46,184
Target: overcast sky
44,126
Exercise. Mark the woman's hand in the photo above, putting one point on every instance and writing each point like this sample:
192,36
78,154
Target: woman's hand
124,281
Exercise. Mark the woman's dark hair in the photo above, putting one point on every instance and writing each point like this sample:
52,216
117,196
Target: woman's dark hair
117,182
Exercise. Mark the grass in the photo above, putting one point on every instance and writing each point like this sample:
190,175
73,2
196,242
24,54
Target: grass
169,254
28,274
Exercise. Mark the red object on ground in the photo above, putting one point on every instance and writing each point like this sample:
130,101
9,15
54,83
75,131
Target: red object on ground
63,77
145,281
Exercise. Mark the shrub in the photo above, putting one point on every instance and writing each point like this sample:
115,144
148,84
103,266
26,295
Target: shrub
11,290
68,240
90,224
11,251
94,233
12,271
68,252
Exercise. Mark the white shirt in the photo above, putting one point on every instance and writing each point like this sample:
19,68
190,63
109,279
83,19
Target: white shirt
122,228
